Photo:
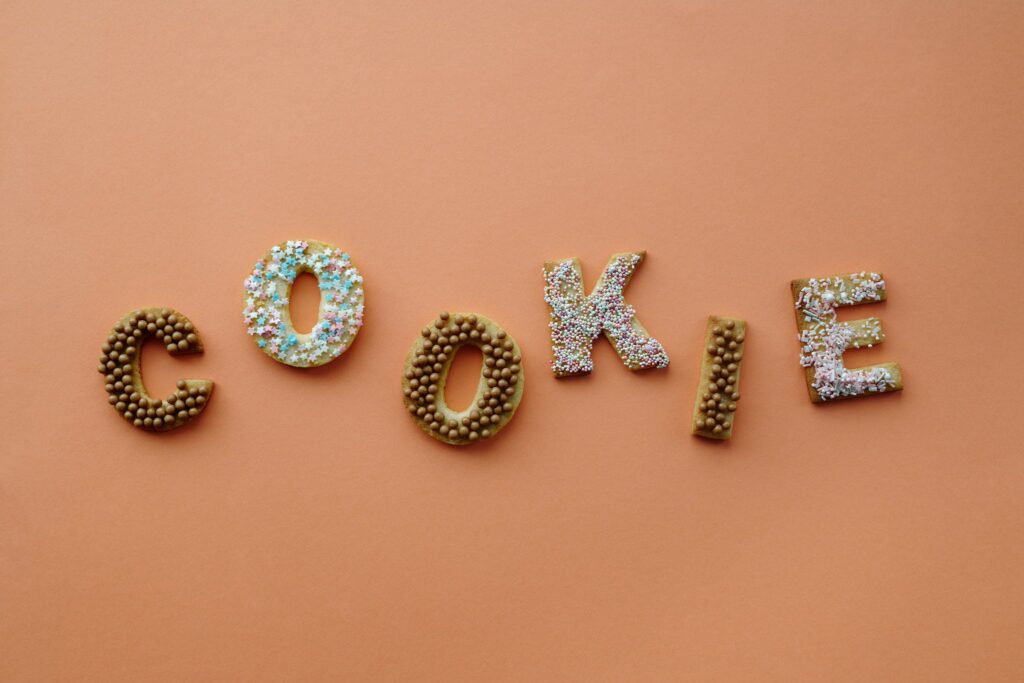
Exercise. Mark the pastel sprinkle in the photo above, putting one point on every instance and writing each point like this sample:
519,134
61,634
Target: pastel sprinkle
576,319
267,290
825,339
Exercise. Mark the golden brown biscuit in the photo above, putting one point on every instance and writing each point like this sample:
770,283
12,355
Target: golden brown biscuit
824,338
714,411
426,371
121,365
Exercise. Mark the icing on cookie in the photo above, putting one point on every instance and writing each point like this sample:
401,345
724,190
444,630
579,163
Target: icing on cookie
426,371
267,292
824,338
121,366
577,318
719,387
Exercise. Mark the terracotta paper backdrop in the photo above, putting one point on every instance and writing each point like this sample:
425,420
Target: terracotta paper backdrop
305,529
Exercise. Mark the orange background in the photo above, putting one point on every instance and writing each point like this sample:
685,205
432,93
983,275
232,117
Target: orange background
306,529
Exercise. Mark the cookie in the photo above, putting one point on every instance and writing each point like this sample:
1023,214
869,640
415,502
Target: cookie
714,411
824,338
426,371
267,291
577,318
121,366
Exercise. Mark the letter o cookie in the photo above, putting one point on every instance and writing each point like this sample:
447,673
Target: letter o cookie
267,292
121,366
426,371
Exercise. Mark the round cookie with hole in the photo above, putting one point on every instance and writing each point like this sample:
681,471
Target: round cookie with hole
267,291
426,370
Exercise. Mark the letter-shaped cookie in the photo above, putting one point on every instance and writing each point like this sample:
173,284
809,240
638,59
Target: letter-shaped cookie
267,292
824,338
719,389
426,371
121,366
577,318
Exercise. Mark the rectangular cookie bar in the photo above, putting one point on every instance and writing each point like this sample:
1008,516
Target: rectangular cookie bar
714,409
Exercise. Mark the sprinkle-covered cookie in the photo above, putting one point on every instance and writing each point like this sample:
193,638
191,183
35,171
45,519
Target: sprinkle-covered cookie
577,318
267,292
824,338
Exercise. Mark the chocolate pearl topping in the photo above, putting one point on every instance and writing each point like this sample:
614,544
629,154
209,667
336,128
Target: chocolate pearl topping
427,369
120,364
725,350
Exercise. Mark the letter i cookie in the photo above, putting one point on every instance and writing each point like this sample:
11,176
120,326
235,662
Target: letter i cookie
714,411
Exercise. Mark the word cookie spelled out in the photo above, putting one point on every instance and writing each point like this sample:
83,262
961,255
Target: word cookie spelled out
576,320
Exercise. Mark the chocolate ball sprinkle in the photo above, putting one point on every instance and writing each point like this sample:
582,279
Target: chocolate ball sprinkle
121,378
713,410
429,363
